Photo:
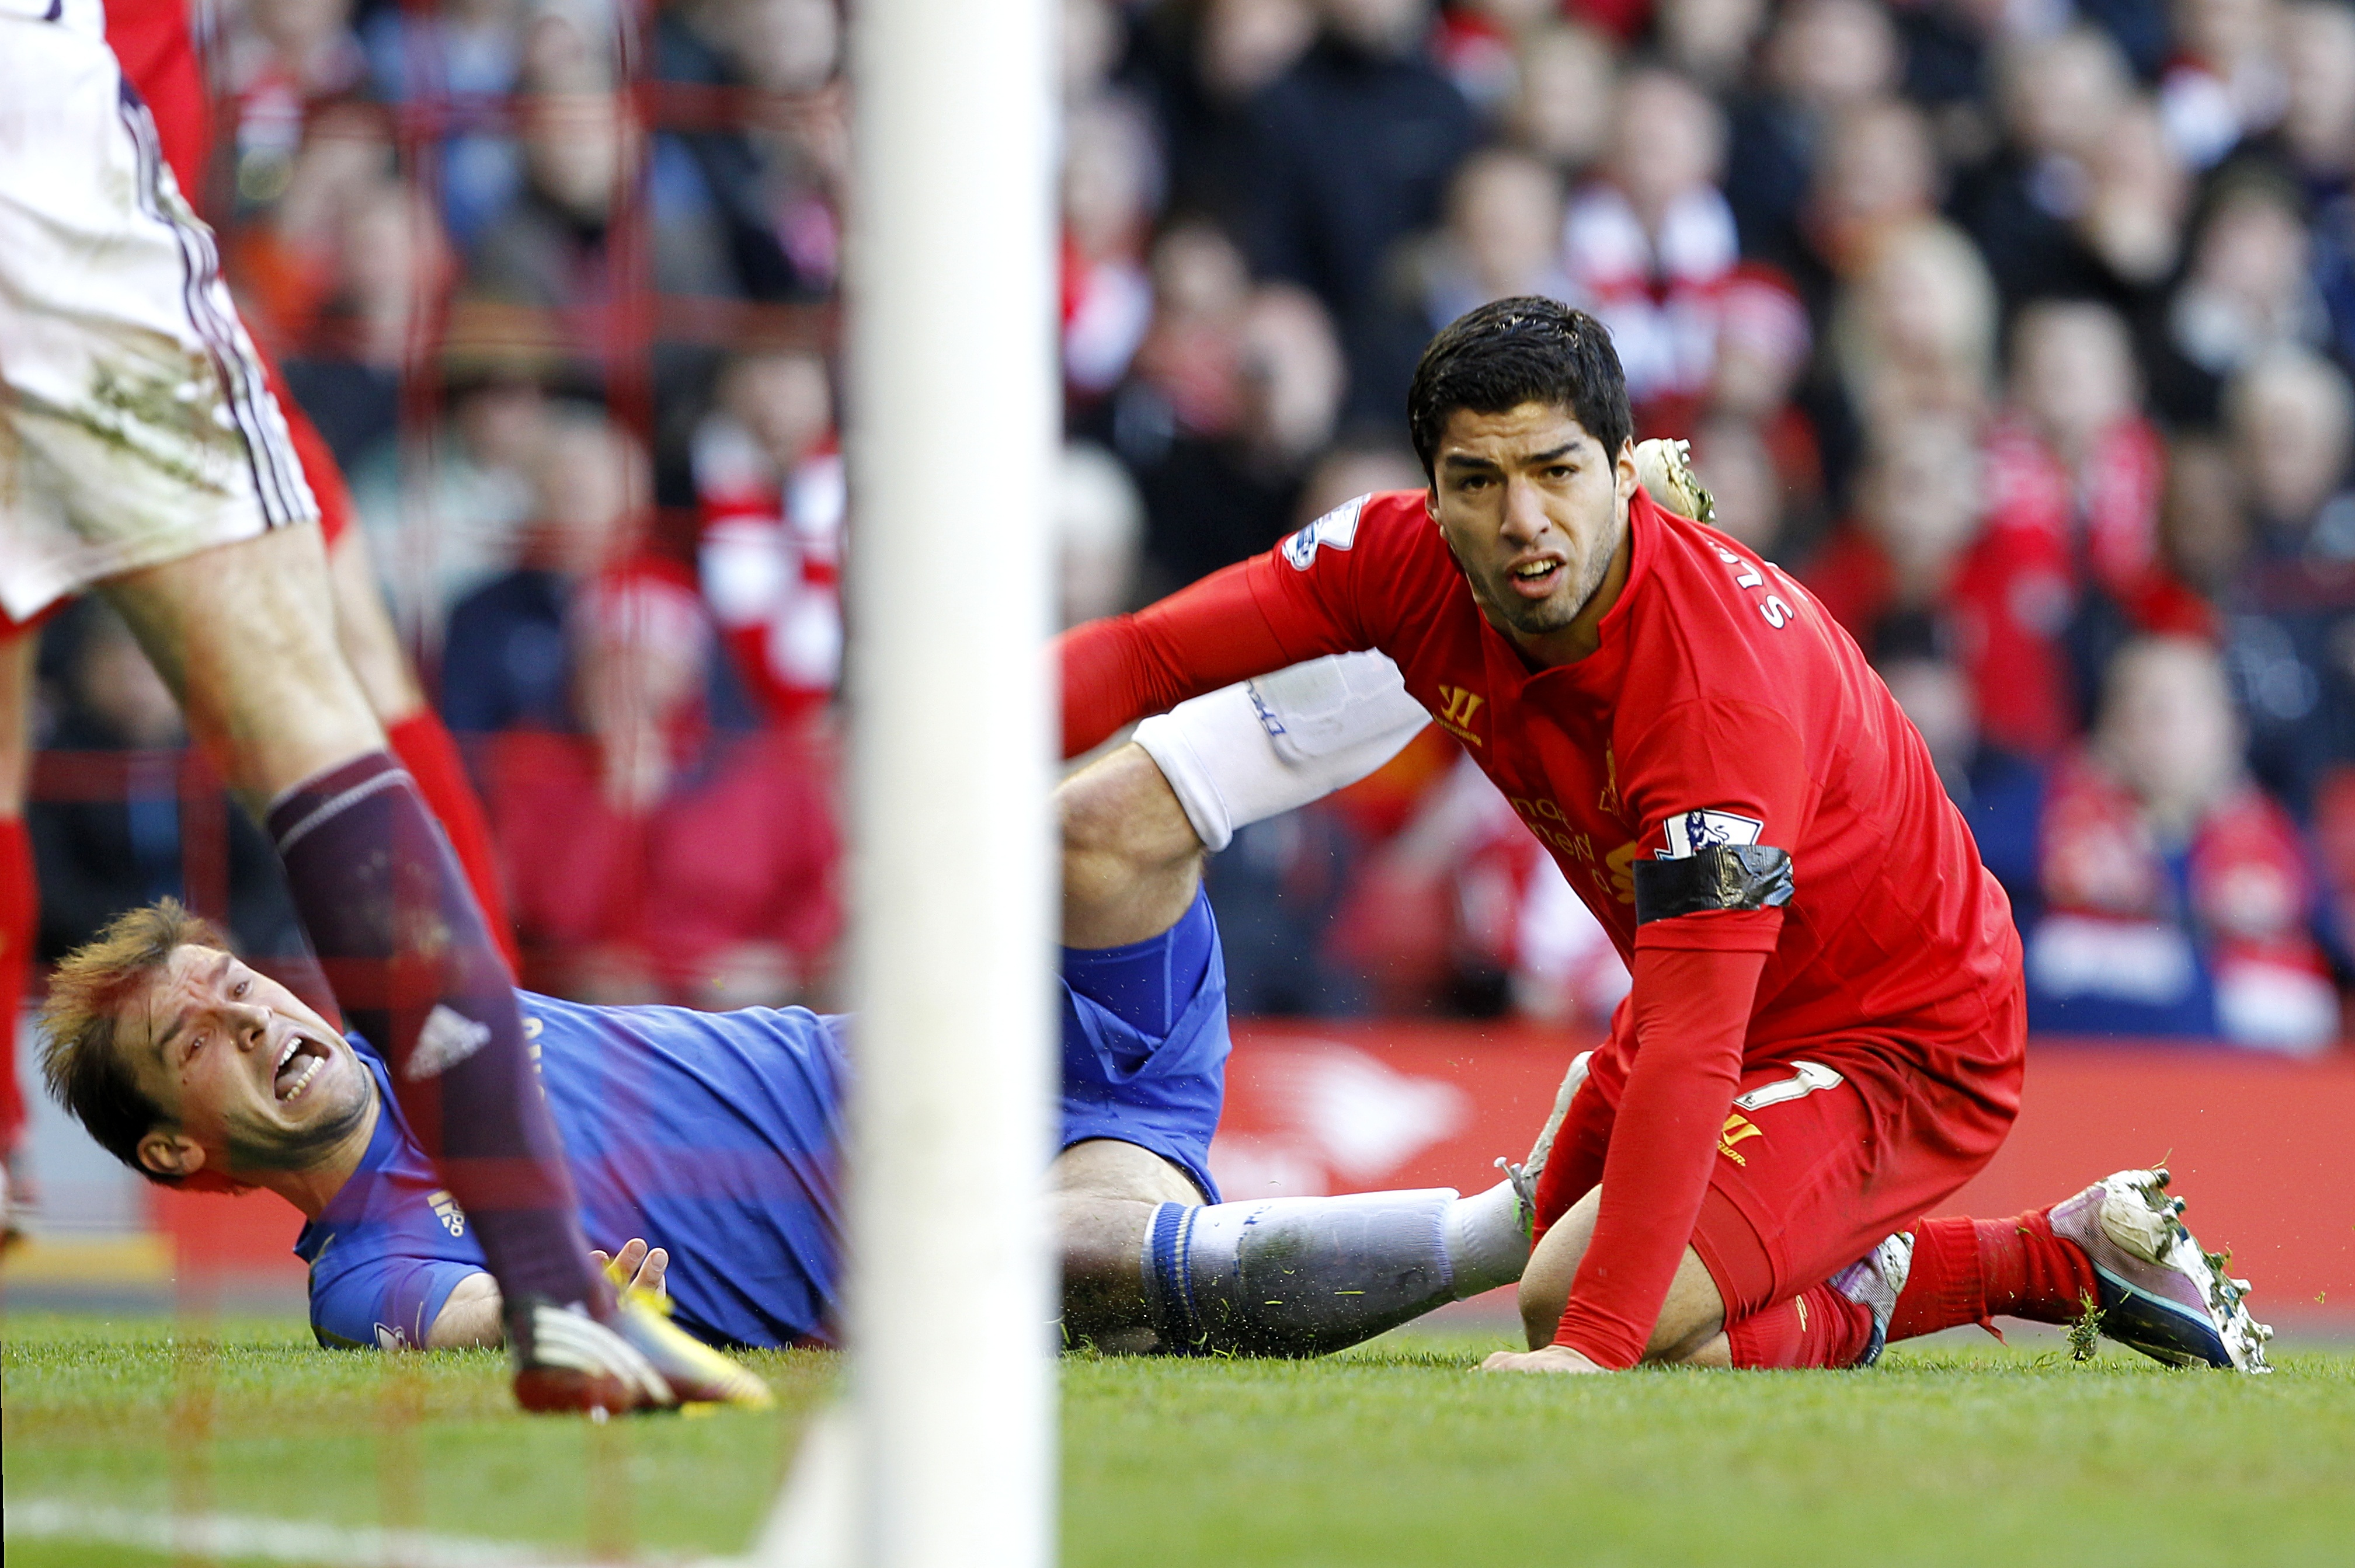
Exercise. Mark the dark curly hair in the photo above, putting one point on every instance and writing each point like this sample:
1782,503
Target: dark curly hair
1517,351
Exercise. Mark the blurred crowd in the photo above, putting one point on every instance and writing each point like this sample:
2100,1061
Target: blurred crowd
2019,330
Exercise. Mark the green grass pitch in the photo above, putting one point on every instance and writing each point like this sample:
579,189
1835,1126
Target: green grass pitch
1963,1454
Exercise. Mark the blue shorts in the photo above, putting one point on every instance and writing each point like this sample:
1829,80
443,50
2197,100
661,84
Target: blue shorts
1144,1042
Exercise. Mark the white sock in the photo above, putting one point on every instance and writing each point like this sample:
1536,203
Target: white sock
1488,1240
1295,1277
1255,750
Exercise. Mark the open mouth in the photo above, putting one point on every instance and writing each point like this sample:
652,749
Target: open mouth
299,1061
1536,578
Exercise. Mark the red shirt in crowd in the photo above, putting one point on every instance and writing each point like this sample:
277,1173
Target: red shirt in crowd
1723,704
742,850
2047,541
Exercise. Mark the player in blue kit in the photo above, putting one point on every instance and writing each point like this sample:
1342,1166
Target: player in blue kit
718,1135
717,1138
716,1132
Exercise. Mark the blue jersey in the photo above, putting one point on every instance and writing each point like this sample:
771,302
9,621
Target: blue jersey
715,1136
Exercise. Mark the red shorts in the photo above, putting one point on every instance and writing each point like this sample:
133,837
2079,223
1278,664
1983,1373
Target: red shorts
1816,1166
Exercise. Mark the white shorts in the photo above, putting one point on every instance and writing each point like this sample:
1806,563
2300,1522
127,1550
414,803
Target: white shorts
135,423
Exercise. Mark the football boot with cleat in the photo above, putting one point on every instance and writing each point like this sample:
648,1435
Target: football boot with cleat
2160,1294
1524,1176
1664,468
567,1362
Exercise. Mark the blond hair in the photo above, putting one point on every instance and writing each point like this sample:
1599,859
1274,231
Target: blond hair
1946,269
87,992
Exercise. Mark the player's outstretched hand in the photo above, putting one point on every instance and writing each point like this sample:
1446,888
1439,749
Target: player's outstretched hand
1550,1359
637,1266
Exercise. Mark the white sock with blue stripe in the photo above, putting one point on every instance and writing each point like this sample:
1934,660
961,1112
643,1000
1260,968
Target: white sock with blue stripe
1302,1277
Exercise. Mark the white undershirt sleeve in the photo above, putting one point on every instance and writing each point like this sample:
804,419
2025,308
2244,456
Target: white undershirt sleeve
1264,746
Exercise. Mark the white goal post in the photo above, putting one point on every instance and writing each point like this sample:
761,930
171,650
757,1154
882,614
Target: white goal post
944,1453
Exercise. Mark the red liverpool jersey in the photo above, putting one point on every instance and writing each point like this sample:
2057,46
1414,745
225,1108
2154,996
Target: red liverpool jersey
1722,706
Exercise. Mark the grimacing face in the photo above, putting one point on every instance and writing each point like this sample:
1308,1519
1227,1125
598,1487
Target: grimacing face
253,1078
1533,509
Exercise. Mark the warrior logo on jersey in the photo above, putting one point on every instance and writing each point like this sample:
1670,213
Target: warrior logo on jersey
1690,833
1454,716
1337,528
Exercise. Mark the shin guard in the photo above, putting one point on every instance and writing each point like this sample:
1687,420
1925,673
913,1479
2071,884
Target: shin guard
1295,1277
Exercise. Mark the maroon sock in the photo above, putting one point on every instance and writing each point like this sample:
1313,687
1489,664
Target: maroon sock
430,753
1816,1327
398,933
1968,1271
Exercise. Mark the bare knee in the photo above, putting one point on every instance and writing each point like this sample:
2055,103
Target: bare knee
1691,1315
1545,1283
1105,1193
1119,808
1100,1239
1111,1168
1131,861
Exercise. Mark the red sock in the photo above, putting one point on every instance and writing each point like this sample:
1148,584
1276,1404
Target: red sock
1816,1327
20,912
432,757
2031,1273
1970,1271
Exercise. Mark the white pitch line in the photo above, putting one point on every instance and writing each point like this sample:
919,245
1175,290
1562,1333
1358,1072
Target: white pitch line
218,1535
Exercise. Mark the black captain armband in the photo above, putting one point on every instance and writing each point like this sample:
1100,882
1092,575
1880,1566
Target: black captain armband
1722,876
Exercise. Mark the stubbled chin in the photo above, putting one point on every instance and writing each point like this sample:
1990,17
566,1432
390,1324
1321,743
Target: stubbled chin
1549,614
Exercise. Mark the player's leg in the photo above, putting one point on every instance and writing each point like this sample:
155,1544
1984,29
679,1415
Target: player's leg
1147,1262
364,631
19,905
1105,1192
143,451
1792,1160
1132,871
244,634
1131,864
1134,826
